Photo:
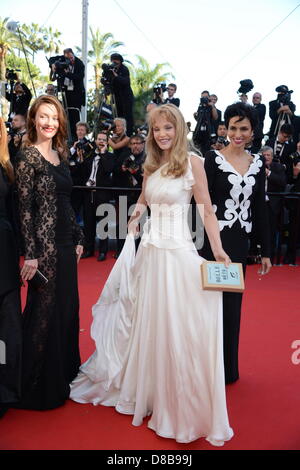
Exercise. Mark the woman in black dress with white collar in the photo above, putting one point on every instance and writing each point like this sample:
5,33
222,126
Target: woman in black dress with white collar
236,181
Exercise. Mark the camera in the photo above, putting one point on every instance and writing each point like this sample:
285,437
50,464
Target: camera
160,87
61,63
246,86
157,90
130,163
107,74
284,98
85,145
204,101
11,131
12,75
221,140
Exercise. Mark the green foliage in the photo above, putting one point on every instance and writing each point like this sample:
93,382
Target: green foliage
143,78
36,38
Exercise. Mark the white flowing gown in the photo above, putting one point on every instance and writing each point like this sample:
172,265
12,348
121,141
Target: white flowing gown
158,334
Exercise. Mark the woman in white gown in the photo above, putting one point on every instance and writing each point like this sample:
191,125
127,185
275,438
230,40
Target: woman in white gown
158,334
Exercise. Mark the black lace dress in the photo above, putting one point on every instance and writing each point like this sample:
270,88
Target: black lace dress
10,304
51,317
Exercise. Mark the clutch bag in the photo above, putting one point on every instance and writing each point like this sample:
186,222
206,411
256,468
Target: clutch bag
38,280
216,276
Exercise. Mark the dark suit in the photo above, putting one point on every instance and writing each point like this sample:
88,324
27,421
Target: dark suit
260,110
124,179
19,103
175,101
75,98
288,149
93,198
124,96
273,107
276,183
293,206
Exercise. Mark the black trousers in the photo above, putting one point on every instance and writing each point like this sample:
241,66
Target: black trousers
90,204
77,200
236,244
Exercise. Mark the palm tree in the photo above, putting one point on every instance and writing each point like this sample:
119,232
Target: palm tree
143,79
34,38
8,41
102,46
52,40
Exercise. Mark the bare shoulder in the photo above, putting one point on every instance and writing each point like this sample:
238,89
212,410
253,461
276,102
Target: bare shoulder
197,163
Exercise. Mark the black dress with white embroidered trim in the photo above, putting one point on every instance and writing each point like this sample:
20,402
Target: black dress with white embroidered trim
240,206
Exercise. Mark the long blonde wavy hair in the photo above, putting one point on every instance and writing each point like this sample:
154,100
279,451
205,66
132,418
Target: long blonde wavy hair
4,155
177,164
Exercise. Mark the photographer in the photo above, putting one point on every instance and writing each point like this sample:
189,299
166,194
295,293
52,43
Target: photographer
16,133
132,164
51,90
220,141
283,145
96,171
293,206
206,117
213,99
128,173
172,88
260,109
281,110
80,150
69,71
117,77
19,97
275,183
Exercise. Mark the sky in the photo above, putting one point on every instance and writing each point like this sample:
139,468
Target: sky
210,45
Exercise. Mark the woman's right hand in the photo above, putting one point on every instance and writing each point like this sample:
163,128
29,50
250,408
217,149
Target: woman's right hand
133,227
222,257
29,269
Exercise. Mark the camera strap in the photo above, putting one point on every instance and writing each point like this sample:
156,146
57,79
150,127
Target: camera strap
68,82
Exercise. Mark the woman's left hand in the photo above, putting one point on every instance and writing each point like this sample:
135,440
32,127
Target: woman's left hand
265,266
79,251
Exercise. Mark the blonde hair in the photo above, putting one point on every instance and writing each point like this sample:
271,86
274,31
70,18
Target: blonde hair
177,164
123,121
4,155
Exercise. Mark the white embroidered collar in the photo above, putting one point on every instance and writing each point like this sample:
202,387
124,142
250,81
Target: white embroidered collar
225,166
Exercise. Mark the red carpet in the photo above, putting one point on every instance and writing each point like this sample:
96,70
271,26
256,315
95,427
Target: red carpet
263,406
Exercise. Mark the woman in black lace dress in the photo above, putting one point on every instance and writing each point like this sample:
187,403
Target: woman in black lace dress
53,244
236,181
10,304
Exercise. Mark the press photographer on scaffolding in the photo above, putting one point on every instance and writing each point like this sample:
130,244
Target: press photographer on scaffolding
117,74
281,110
18,95
69,72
